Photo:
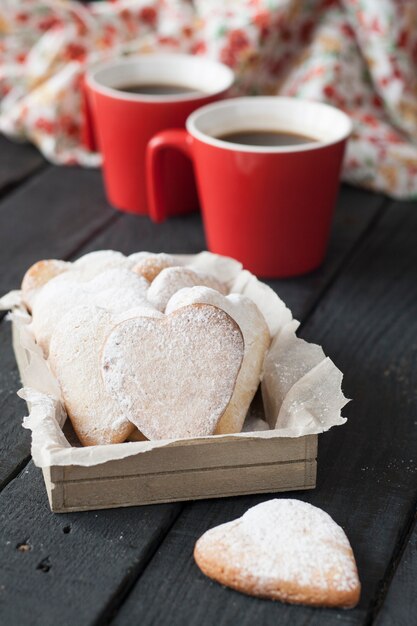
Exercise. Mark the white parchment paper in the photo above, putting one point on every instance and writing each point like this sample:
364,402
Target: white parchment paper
301,387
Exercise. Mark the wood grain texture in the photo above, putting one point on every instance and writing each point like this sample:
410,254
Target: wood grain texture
133,233
17,162
400,605
200,454
163,487
50,217
367,469
190,470
65,569
14,440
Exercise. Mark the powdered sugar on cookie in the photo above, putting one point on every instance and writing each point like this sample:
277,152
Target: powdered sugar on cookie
285,550
175,376
150,265
75,360
256,337
172,279
92,264
115,289
38,275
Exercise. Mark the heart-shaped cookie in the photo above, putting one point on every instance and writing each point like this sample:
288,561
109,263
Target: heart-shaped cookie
150,265
283,550
176,375
256,337
116,289
38,275
94,263
74,357
172,279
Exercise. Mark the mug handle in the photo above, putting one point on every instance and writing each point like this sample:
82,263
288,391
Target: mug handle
88,135
179,139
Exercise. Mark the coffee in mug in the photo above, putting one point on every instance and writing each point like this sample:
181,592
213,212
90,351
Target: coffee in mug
266,138
159,89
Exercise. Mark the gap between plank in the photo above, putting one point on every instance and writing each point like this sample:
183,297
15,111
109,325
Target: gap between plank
15,186
94,234
20,183
15,472
398,551
134,574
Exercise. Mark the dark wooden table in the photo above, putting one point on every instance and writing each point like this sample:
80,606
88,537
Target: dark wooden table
135,565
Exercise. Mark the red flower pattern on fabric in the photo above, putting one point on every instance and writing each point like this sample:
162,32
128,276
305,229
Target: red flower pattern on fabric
359,55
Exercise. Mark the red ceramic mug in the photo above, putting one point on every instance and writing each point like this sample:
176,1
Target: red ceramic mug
270,207
124,122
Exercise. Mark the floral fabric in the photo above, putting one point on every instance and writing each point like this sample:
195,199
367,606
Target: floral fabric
359,55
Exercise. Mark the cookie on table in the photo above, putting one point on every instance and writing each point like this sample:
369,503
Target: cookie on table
284,550
38,275
256,338
172,279
74,357
115,290
174,376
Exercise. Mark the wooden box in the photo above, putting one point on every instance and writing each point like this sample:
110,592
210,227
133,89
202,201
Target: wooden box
214,467
211,467
146,472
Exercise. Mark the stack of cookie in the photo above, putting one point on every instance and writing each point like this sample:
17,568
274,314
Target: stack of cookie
145,348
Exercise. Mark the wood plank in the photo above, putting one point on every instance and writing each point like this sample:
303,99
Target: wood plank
132,233
400,605
62,569
163,487
14,440
367,324
201,454
50,217
17,162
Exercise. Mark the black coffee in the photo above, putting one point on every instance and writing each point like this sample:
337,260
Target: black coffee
158,89
266,138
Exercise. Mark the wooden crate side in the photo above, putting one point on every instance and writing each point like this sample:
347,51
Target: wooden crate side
20,353
215,452
54,490
311,443
188,485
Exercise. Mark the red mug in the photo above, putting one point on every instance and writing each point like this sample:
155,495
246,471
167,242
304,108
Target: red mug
123,122
270,207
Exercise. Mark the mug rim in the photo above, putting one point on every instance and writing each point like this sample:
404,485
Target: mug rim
194,131
93,82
